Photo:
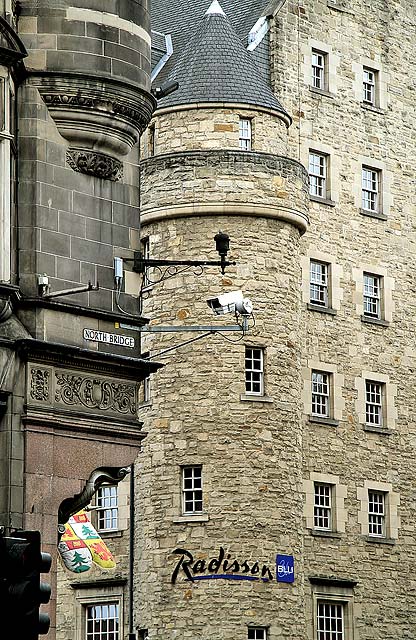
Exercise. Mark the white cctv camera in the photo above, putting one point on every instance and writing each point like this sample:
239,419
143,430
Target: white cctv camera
232,302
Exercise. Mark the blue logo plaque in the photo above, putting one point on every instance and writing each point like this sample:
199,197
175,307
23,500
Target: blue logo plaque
285,568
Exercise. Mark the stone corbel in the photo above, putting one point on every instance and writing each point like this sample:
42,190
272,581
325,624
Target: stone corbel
70,506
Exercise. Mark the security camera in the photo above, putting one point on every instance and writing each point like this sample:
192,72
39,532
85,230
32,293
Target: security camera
232,302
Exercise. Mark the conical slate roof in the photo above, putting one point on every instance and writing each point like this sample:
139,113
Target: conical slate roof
215,67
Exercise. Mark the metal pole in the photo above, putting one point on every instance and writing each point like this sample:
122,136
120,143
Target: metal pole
132,634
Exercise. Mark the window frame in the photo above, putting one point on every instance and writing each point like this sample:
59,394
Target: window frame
101,510
251,372
318,179
8,148
115,635
369,86
326,511
189,494
245,134
325,393
372,295
322,634
320,281
253,633
377,518
374,403
371,189
319,71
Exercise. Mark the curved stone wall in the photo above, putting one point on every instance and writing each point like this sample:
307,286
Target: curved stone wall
218,182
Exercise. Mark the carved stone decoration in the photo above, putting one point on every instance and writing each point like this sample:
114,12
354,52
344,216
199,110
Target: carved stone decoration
95,164
101,115
39,384
103,475
96,394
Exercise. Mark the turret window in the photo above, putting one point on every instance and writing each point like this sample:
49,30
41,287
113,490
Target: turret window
245,135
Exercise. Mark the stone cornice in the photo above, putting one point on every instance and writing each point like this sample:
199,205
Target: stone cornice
293,216
238,106
85,359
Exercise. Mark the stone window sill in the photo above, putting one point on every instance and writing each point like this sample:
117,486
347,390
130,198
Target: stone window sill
332,4
321,92
327,201
377,540
329,422
371,107
373,429
248,398
317,533
198,517
110,534
378,321
317,307
373,214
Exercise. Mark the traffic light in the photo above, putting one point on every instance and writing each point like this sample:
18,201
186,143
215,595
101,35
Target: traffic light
21,591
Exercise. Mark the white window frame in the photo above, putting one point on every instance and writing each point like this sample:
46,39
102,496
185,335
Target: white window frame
319,283
372,287
192,490
245,136
374,401
257,633
319,71
321,394
318,174
107,508
323,506
254,371
376,513
370,189
369,86
6,138
330,620
103,634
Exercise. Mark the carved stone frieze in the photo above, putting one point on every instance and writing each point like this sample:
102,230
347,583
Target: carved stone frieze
39,384
94,393
95,164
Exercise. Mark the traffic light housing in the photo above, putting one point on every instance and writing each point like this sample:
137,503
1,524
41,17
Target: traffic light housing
21,590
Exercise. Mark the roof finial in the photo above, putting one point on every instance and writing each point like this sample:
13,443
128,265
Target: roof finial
215,8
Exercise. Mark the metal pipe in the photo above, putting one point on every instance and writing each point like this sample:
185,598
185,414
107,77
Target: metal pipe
132,635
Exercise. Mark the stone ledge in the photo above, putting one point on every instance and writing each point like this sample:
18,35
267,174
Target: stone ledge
321,92
375,539
316,307
190,519
380,430
249,398
373,214
378,321
372,108
328,422
326,534
326,201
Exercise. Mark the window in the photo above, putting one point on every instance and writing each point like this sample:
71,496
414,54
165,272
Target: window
102,621
245,134
319,283
320,394
318,167
376,514
107,508
7,172
369,86
370,189
373,403
151,140
319,64
192,489
145,248
254,371
257,633
322,510
371,295
330,621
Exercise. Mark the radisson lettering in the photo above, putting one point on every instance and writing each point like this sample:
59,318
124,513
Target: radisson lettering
109,338
223,566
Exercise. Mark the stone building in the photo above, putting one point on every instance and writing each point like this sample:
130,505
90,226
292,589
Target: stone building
273,495
74,99
297,441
